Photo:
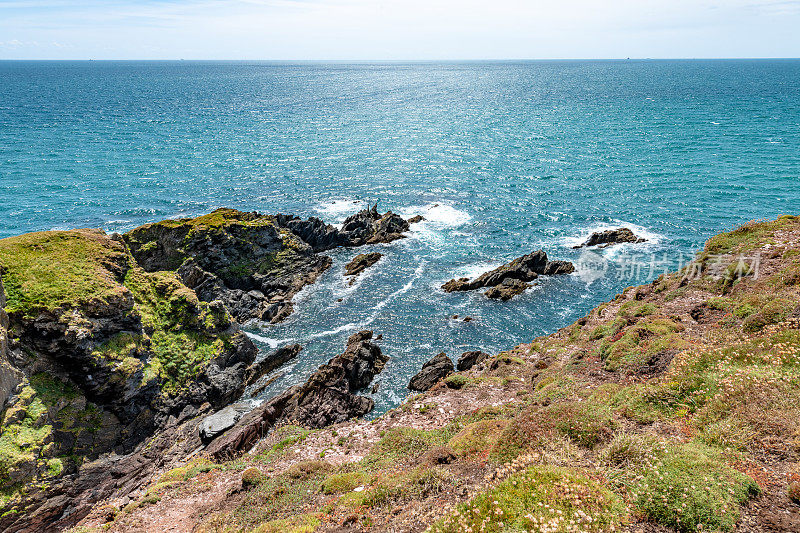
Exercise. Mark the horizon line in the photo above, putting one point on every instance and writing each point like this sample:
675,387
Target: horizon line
438,60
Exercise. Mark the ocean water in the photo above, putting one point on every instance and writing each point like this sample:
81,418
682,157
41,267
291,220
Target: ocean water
501,158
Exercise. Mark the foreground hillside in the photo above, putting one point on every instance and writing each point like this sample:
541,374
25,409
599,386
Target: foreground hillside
674,407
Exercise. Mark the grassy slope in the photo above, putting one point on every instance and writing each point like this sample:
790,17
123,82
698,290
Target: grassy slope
674,405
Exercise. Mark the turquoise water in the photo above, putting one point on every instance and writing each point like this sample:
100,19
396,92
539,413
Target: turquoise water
502,158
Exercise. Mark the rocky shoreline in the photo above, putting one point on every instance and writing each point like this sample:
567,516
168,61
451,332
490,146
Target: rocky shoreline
115,349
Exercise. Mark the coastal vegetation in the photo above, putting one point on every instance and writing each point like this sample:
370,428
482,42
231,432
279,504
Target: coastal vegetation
673,406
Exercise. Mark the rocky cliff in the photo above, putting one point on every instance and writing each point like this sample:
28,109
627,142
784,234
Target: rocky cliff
113,349
104,355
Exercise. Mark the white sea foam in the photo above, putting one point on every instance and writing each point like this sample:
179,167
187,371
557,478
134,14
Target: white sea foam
272,343
473,271
437,215
338,210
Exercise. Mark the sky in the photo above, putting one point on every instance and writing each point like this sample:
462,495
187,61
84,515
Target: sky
397,29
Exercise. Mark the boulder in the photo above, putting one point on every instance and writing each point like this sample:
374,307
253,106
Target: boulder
415,219
437,368
470,359
610,237
360,263
222,420
511,279
327,397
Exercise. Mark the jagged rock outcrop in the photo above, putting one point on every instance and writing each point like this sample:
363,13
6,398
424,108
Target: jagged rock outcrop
327,397
360,263
249,261
10,377
271,362
255,264
610,237
511,279
432,371
470,359
370,227
108,357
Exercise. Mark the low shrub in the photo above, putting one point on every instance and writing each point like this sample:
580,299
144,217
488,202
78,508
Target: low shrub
540,498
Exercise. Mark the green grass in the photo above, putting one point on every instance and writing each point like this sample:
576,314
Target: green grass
403,444
53,269
182,338
219,218
344,482
688,487
536,499
748,236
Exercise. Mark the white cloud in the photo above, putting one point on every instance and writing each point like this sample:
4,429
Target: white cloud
408,29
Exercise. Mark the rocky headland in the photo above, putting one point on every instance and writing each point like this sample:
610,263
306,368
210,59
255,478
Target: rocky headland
114,349
253,263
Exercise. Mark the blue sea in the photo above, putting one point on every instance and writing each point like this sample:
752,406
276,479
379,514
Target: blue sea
502,158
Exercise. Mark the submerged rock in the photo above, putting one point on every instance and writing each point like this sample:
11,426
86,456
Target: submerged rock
610,237
437,368
511,279
470,359
327,397
360,263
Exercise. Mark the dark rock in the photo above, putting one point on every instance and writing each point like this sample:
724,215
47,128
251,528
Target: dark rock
511,279
10,377
415,219
370,227
467,319
470,359
610,237
658,362
222,420
327,397
507,289
360,263
251,262
319,235
275,360
437,368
